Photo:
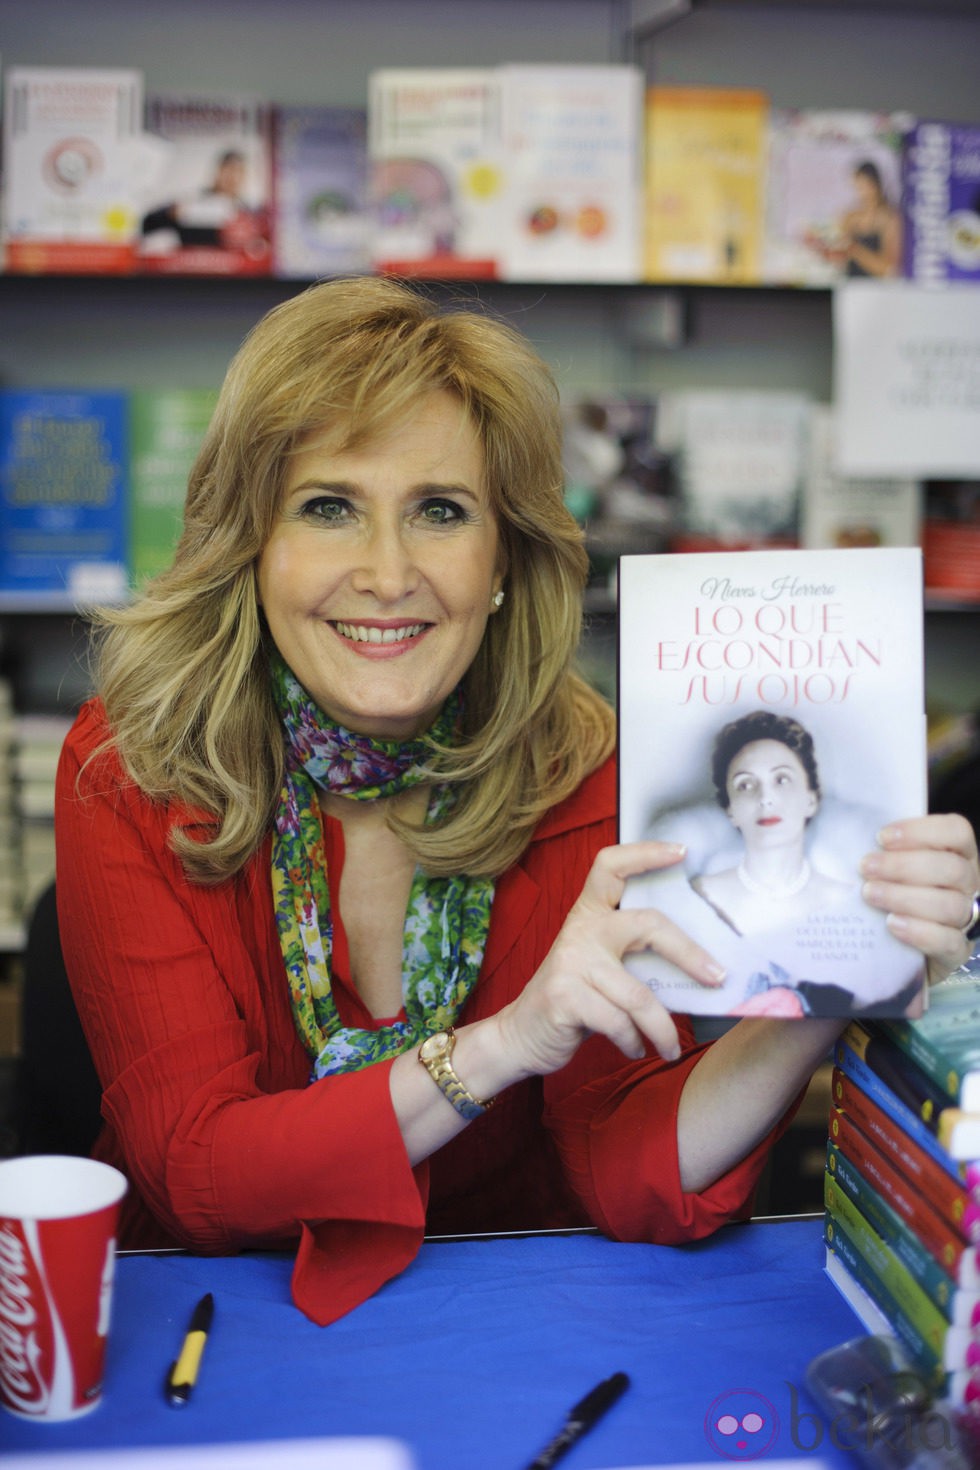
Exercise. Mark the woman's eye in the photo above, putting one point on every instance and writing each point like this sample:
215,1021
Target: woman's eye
326,508
442,512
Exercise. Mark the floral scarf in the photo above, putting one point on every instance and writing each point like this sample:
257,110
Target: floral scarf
446,920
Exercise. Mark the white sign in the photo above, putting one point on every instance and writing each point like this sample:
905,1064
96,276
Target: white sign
907,379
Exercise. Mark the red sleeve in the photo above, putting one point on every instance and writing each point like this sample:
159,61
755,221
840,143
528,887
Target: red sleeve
183,999
617,1139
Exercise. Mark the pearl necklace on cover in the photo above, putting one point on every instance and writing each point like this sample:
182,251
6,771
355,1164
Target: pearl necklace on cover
795,885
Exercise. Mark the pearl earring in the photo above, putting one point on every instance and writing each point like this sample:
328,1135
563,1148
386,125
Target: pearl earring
498,599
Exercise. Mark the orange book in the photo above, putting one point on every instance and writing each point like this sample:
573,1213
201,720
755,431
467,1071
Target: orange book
705,184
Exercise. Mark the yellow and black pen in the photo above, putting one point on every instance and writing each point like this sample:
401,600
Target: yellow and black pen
183,1374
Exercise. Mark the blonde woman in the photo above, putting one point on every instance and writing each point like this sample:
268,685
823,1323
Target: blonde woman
337,879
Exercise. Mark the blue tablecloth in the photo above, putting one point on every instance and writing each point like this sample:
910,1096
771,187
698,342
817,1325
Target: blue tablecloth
474,1355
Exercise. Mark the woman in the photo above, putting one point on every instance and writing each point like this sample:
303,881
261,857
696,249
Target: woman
869,236
764,771
341,793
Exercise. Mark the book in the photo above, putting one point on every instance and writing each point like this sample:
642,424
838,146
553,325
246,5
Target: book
957,1131
435,170
794,662
941,202
738,459
833,195
952,1195
205,206
572,160
847,510
955,1349
63,490
904,1117
959,1302
933,1323
166,427
706,153
944,1243
945,1041
71,155
321,214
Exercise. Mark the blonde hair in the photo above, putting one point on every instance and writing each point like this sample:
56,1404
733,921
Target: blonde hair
183,671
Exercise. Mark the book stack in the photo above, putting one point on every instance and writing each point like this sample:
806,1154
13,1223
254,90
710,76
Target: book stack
902,1184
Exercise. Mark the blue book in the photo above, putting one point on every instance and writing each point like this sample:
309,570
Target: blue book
63,494
860,1072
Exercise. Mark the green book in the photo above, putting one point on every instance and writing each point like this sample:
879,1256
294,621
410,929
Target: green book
167,426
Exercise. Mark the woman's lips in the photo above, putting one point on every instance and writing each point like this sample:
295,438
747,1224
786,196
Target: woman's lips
380,640
769,821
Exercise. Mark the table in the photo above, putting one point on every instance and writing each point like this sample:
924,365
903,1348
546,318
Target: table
474,1355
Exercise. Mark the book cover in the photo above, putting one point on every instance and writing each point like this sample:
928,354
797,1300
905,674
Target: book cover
738,460
321,214
572,149
904,1118
71,142
957,1131
166,427
435,169
753,691
63,489
941,202
206,203
845,510
952,1196
705,171
945,1041
833,197
946,1245
959,1302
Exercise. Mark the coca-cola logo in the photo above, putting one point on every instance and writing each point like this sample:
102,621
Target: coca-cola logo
20,1352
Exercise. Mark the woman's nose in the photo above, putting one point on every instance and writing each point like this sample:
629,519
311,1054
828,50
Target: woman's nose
386,567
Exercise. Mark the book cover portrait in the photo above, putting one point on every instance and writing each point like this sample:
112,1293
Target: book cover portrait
772,721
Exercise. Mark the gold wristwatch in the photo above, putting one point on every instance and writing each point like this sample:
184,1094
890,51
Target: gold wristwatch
436,1056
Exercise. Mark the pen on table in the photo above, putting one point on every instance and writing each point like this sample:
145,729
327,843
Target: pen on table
183,1373
579,1421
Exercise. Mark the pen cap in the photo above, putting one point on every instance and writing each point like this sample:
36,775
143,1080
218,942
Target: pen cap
58,1219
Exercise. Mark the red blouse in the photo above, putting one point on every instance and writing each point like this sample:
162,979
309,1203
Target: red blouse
208,1106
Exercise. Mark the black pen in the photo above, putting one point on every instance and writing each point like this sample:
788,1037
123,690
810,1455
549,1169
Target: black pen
587,1411
183,1373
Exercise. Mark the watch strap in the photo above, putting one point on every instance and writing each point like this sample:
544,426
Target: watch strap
440,1068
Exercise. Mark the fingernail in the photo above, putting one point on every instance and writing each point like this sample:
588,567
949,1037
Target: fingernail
715,972
671,1053
872,893
679,849
871,865
898,925
888,835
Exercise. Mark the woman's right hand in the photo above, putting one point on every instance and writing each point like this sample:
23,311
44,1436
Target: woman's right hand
583,987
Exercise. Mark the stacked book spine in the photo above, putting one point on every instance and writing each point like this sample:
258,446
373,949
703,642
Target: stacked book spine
902,1184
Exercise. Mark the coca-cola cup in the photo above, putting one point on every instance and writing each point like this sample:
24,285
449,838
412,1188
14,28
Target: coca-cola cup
58,1217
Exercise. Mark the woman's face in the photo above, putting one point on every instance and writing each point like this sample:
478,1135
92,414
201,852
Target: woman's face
377,579
769,795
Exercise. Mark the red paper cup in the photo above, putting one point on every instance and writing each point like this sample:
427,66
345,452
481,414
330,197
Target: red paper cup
58,1218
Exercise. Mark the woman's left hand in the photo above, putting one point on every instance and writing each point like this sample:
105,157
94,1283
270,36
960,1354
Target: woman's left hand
924,876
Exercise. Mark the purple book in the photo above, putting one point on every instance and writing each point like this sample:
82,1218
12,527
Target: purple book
941,202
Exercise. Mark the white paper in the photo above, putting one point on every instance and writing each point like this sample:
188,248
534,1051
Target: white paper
279,1454
907,379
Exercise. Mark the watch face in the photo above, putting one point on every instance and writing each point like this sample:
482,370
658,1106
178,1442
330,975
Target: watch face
434,1046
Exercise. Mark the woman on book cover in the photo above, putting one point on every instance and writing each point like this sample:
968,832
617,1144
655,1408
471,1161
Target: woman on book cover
869,242
764,770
